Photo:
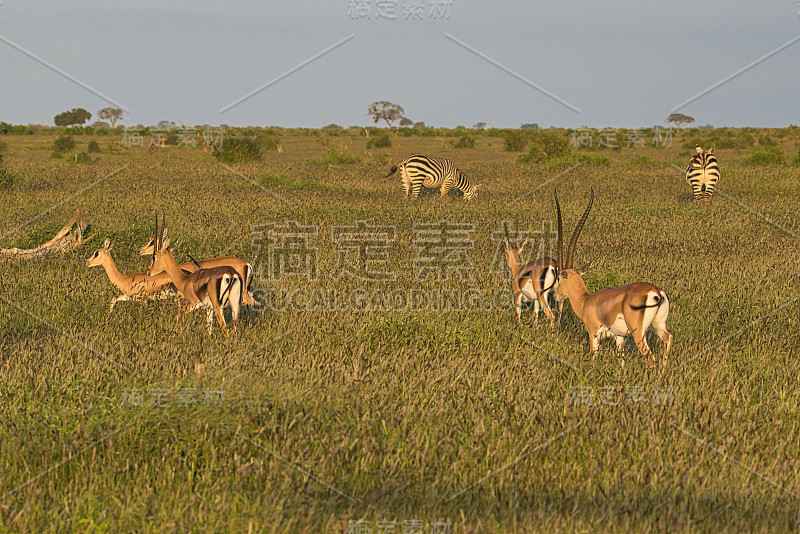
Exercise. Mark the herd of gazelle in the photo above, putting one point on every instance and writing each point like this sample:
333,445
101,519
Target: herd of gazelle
612,312
212,284
222,282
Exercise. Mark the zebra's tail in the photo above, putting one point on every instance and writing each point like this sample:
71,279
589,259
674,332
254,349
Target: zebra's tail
392,170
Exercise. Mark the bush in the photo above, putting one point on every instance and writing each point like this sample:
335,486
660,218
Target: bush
268,141
94,147
63,143
80,157
725,138
238,150
464,141
546,145
643,161
796,160
379,141
592,160
767,156
335,156
515,141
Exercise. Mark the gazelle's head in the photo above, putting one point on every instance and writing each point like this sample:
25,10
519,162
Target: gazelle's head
147,248
162,250
101,255
568,276
512,251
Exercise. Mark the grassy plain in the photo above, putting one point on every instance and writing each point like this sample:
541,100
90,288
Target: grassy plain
311,419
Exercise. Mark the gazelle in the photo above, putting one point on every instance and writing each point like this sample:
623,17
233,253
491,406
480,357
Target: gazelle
534,281
616,311
213,288
133,286
244,268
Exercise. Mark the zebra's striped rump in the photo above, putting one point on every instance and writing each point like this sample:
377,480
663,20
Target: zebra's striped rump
702,174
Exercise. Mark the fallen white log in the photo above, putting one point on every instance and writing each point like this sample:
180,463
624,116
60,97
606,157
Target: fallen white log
63,241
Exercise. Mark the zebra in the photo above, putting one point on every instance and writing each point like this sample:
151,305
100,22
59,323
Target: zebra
419,170
702,174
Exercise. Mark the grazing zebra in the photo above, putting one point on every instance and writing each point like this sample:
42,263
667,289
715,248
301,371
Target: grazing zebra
418,171
703,174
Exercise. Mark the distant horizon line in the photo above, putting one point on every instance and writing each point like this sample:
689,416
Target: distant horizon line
523,126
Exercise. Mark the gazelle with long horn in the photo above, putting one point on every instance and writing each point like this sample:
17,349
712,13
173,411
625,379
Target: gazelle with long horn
212,289
616,311
534,281
244,268
134,286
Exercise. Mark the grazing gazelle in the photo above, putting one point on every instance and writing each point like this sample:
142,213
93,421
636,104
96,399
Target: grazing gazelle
213,288
133,286
616,311
534,281
242,267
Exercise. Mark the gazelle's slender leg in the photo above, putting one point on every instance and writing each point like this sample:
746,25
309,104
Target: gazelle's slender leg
594,344
117,299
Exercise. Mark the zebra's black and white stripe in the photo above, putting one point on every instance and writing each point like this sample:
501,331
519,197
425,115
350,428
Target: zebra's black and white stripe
418,171
703,174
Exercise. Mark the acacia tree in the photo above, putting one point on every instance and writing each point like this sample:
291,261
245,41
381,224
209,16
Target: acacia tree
110,114
73,116
679,119
383,110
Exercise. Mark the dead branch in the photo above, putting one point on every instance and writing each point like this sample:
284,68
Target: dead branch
63,241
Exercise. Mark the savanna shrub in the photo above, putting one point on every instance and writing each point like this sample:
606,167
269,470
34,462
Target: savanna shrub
63,143
464,141
546,145
515,141
268,140
81,157
379,141
94,147
335,155
772,155
238,150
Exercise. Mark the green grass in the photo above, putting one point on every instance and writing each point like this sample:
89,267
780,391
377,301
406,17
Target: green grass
462,415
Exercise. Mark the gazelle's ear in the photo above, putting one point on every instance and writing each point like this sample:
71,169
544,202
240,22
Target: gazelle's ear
112,244
586,267
106,243
523,246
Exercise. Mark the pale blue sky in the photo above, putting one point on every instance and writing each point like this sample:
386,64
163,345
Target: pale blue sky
622,64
